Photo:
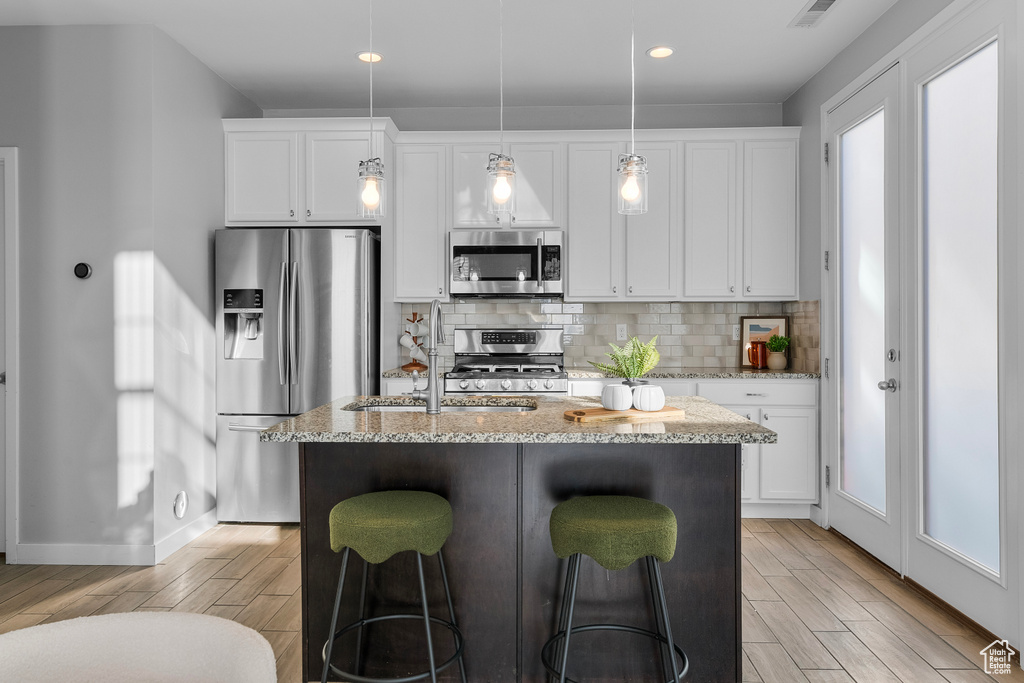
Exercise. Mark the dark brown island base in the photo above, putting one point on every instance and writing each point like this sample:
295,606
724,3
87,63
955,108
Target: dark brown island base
503,473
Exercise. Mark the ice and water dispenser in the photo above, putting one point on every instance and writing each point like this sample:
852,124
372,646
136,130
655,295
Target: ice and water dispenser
243,323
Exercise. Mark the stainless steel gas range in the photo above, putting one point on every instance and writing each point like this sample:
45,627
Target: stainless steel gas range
508,361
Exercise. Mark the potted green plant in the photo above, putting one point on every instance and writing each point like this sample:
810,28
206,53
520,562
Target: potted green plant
632,360
777,346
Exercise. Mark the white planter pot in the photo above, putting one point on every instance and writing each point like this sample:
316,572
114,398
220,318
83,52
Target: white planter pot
776,360
648,397
616,397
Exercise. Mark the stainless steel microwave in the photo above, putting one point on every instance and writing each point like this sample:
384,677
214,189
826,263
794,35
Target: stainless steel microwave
506,262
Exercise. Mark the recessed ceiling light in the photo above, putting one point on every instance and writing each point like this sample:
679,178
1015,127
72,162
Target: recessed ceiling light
660,51
368,56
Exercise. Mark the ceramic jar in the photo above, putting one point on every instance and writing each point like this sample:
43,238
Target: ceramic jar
648,397
776,360
616,397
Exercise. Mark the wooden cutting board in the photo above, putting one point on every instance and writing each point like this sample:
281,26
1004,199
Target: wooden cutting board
631,415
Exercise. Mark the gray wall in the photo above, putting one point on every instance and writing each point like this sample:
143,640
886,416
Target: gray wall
803,108
104,155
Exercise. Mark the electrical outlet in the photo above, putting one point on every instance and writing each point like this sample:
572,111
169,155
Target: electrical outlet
735,332
620,333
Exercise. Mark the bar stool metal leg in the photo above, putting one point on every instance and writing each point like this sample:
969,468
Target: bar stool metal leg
362,616
451,611
329,645
666,621
663,647
563,608
426,619
568,620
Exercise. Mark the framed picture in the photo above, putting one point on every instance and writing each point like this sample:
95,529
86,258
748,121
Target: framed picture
760,328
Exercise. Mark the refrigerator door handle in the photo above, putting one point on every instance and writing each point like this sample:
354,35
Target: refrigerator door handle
280,323
235,427
293,328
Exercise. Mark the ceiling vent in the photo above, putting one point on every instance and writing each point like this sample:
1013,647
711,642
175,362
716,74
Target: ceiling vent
811,14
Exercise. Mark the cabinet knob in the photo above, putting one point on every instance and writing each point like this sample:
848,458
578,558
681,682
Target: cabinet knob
766,417
614,289
497,219
440,290
513,219
748,288
309,212
732,288
631,289
291,212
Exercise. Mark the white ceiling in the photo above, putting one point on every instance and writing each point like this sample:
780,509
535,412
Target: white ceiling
300,54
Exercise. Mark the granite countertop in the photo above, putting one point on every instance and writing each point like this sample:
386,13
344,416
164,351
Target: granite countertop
705,422
588,372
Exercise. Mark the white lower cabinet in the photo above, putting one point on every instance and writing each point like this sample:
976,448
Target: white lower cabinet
396,386
786,471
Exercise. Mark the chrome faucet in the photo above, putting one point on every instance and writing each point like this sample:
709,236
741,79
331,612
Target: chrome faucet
432,394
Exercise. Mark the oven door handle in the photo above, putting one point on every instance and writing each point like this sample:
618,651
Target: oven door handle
540,264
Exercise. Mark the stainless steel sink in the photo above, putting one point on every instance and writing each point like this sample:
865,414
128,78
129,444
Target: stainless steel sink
444,409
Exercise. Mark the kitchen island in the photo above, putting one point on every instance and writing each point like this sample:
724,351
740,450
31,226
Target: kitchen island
503,473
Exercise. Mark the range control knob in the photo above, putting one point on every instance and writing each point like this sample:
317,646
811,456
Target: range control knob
480,384
506,384
548,383
463,384
531,384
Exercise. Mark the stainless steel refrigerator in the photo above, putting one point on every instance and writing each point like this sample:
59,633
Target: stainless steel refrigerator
297,326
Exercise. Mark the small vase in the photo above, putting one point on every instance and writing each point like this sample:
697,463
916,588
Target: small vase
776,360
616,397
648,397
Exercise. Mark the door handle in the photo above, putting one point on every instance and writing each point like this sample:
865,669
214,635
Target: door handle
3,378
293,336
235,427
888,385
280,322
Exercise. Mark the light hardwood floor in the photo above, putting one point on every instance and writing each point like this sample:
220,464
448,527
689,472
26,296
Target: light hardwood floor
814,609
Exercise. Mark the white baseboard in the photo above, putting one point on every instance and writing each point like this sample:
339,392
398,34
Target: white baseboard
775,510
183,536
100,554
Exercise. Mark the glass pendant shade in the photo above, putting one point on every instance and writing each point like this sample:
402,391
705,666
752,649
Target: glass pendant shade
501,184
371,184
632,184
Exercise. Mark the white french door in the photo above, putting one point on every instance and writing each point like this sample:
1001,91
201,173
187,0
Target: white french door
957,545
922,217
864,504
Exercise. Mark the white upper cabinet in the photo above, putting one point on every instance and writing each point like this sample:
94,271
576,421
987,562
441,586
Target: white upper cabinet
614,257
770,218
332,169
289,171
740,224
594,240
262,182
420,222
540,194
652,244
710,230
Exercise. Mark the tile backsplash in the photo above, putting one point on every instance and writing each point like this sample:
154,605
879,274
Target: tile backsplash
690,335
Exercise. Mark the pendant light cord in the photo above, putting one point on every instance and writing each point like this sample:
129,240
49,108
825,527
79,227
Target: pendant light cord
501,74
371,79
632,76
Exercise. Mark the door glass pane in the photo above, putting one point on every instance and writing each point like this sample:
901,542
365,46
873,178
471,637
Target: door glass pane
961,351
862,253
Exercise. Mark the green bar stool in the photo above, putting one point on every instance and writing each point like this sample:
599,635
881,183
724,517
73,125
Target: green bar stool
377,526
615,531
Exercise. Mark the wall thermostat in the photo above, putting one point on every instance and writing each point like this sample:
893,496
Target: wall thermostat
83,270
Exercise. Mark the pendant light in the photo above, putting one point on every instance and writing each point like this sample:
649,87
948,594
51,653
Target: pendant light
501,169
371,184
632,167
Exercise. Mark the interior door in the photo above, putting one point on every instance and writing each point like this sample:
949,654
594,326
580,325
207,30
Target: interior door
959,546
863,406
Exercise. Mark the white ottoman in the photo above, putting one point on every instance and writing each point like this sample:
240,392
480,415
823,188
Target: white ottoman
138,646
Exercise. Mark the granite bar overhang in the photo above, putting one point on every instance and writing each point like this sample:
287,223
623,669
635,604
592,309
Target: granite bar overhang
705,423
